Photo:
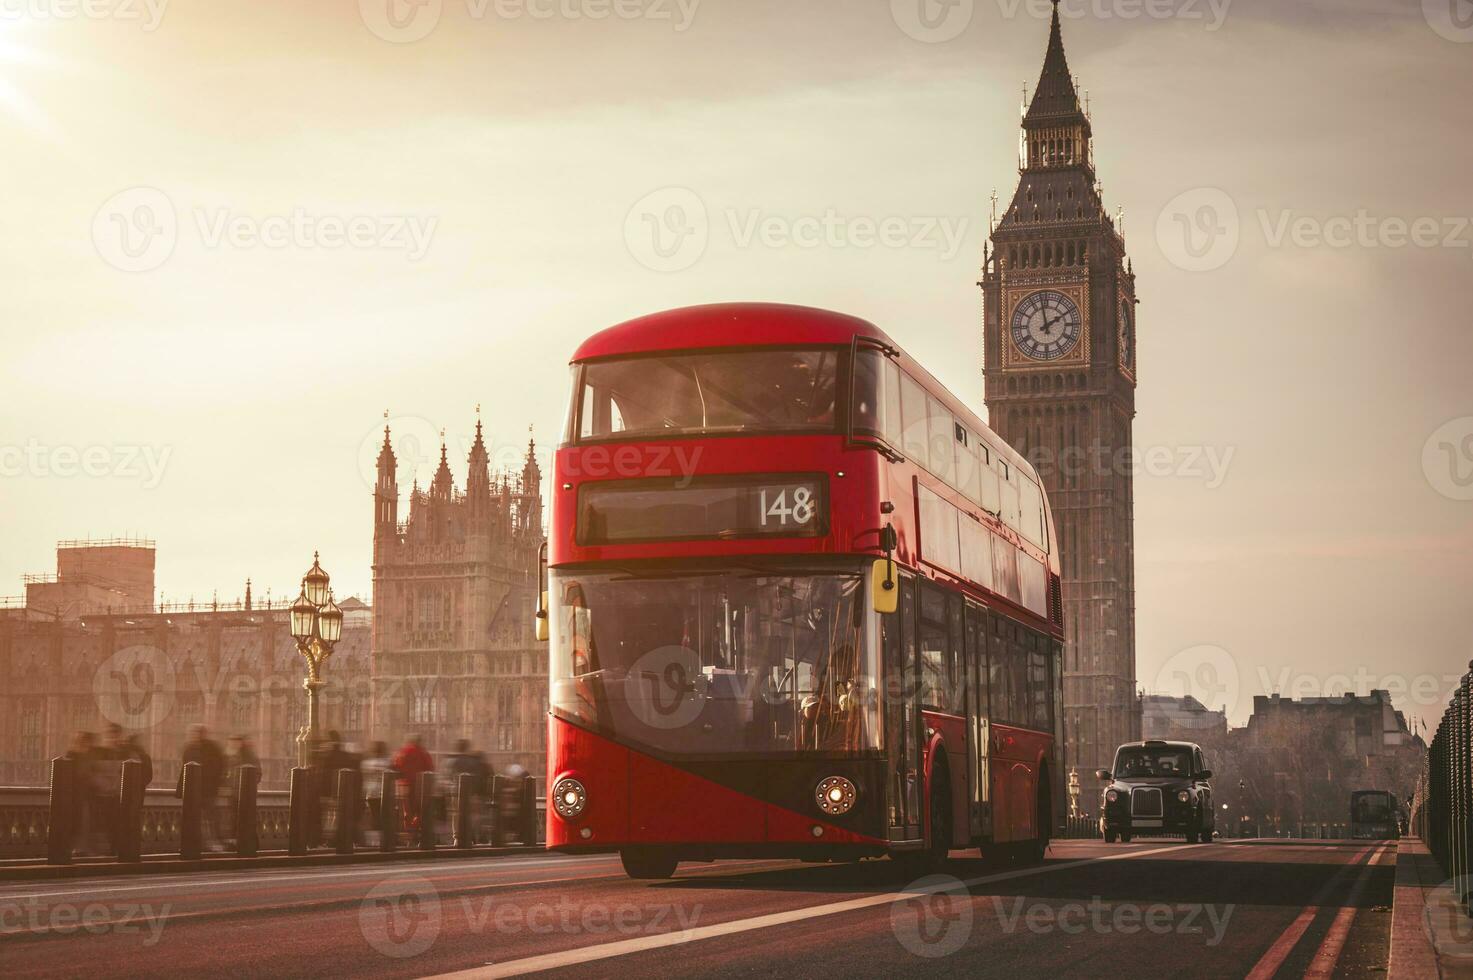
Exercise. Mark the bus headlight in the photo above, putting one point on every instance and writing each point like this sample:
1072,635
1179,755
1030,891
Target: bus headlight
1183,797
835,795
569,798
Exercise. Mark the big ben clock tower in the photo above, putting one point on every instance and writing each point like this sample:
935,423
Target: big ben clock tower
1059,361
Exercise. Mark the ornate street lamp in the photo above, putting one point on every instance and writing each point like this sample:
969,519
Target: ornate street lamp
316,625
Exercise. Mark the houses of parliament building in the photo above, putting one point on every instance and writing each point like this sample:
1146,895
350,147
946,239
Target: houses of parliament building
447,649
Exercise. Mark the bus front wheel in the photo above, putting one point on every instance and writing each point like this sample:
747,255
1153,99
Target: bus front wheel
647,864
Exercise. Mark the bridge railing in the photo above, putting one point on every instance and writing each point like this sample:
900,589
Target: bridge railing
155,821
1443,806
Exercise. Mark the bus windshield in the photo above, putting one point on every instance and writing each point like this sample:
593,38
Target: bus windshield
716,663
1371,808
735,391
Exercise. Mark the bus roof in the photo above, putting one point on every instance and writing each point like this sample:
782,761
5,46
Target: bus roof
728,325
747,324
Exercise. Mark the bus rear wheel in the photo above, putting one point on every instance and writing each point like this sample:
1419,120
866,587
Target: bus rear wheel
644,863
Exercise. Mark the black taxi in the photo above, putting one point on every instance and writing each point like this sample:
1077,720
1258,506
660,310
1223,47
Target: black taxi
1157,788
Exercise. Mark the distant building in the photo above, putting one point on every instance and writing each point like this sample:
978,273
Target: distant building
454,595
1182,719
89,646
1300,759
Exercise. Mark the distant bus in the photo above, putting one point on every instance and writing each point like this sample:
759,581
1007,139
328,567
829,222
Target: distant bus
1373,815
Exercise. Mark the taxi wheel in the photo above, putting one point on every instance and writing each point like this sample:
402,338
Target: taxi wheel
1110,836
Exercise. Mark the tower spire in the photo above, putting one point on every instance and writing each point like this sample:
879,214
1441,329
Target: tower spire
1055,96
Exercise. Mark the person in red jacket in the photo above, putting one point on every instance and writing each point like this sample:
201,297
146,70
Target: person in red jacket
409,762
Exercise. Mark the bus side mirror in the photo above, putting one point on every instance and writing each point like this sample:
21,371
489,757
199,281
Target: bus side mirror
542,630
885,591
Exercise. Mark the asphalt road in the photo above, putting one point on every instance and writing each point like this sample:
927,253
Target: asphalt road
1145,909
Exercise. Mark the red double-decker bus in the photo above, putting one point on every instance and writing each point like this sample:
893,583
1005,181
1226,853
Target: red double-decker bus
802,603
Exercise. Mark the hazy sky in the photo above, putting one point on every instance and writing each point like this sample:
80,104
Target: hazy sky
235,233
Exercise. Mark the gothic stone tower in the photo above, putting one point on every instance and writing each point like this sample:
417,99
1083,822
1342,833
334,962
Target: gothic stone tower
1059,361
454,653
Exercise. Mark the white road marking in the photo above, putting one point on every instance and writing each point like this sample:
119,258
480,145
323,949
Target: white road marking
589,954
267,876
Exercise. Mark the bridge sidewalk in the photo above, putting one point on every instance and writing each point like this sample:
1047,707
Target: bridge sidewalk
38,870
1430,936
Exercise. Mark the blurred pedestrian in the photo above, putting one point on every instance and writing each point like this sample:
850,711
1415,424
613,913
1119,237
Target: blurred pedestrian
82,754
106,786
208,754
239,754
134,750
373,768
464,762
411,760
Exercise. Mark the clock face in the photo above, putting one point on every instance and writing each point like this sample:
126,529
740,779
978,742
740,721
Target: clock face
1127,332
1046,325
